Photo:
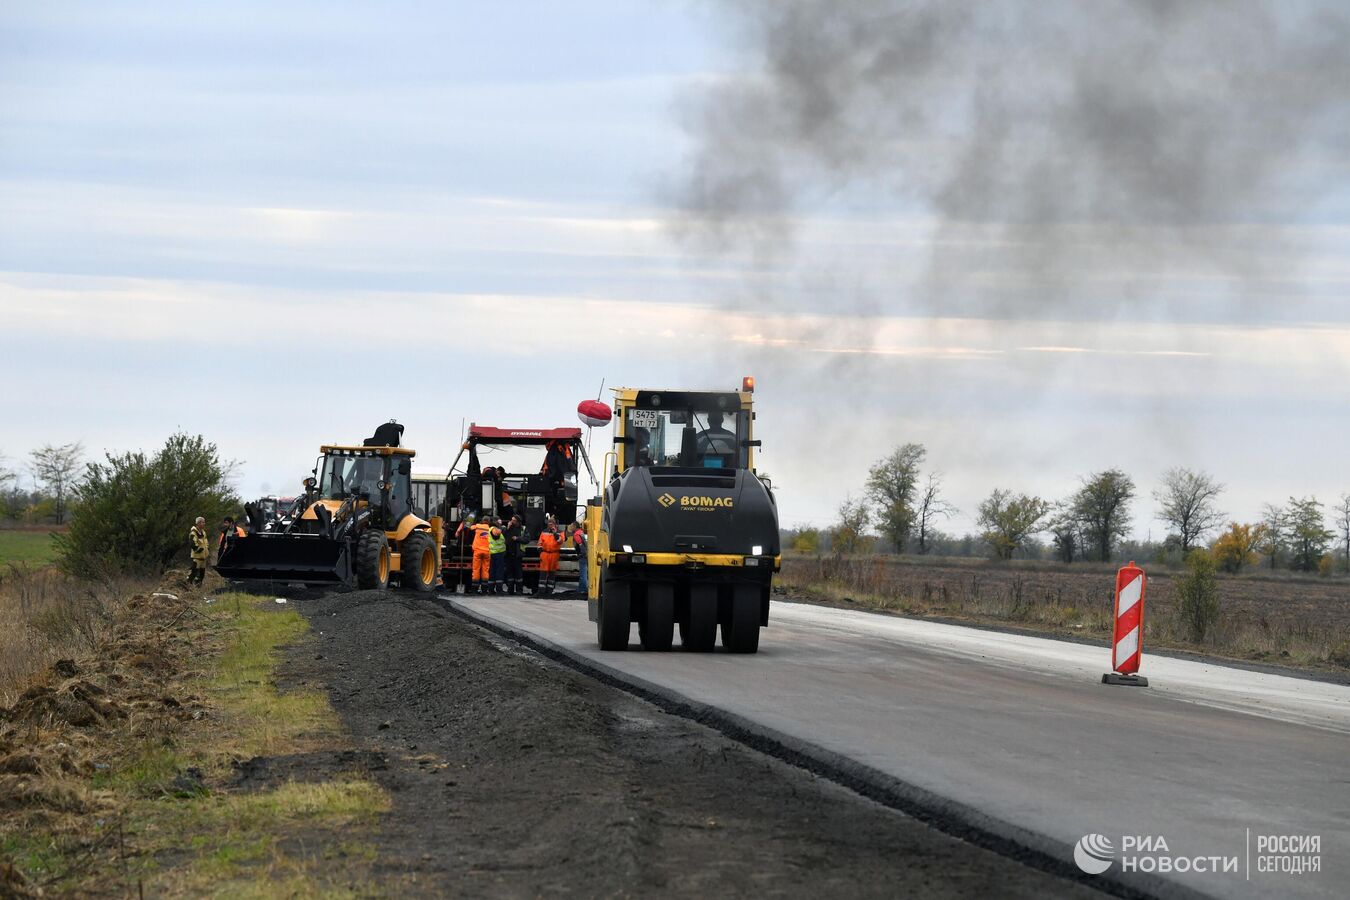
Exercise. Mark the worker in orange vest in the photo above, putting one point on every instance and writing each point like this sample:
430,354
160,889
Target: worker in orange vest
481,572
550,547
229,533
583,567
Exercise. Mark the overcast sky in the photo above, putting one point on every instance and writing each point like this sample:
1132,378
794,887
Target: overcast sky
278,224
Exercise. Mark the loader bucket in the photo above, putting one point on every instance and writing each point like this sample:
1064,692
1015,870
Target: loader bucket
307,558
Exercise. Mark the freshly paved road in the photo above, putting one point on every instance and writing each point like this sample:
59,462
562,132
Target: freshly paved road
1020,730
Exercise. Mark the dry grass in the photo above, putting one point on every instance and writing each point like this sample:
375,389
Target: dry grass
140,797
1292,621
46,616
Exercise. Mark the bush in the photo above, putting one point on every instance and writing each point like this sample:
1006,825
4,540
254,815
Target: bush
1197,595
134,511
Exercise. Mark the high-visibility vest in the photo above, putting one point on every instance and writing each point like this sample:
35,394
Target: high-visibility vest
550,542
480,537
197,541
496,541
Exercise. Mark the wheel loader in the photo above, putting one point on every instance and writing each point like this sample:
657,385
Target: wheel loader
354,525
685,535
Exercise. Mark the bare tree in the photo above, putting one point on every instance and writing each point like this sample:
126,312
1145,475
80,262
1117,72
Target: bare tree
1009,519
1065,532
931,508
1275,538
850,534
891,485
1188,501
1343,524
1102,507
55,468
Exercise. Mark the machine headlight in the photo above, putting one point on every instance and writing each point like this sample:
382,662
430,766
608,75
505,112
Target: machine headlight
757,550
627,548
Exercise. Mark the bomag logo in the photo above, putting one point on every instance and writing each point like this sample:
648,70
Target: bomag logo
666,500
706,502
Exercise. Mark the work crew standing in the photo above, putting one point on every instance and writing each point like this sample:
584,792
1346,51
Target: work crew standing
550,547
497,564
482,554
583,569
200,549
515,539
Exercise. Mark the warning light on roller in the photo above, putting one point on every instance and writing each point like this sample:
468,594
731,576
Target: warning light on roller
748,384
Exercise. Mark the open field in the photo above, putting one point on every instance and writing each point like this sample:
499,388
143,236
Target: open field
1284,619
26,546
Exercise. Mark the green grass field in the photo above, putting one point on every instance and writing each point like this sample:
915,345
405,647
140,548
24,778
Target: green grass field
34,548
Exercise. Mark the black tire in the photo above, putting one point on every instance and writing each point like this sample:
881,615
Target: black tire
657,628
417,563
699,632
740,632
372,560
613,624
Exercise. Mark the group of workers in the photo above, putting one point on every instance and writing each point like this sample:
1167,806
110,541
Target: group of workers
199,548
499,554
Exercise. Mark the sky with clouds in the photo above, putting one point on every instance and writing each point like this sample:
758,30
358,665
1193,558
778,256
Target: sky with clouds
280,224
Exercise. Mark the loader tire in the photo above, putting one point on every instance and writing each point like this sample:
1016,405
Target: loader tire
612,625
740,630
657,628
699,632
417,563
372,561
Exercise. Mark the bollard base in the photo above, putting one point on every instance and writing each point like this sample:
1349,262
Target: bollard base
1128,680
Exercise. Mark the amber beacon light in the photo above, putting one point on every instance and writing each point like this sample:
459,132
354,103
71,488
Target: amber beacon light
748,384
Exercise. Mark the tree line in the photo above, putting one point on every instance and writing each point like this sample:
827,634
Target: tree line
901,506
44,496
127,513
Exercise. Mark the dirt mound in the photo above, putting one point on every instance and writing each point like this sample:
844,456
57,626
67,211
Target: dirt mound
12,883
267,772
30,792
50,760
76,702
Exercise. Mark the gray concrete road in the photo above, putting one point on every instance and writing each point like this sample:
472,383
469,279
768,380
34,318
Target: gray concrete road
1020,730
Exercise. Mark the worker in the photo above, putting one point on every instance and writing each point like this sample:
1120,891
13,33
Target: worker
579,543
515,541
557,463
497,562
550,547
643,442
229,533
200,551
716,445
482,553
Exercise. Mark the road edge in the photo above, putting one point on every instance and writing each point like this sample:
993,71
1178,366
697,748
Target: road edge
1104,643
950,817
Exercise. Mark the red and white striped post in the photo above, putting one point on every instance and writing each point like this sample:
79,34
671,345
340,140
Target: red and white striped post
1127,639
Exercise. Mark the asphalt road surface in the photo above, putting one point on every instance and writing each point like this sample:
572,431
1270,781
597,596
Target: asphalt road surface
1020,738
